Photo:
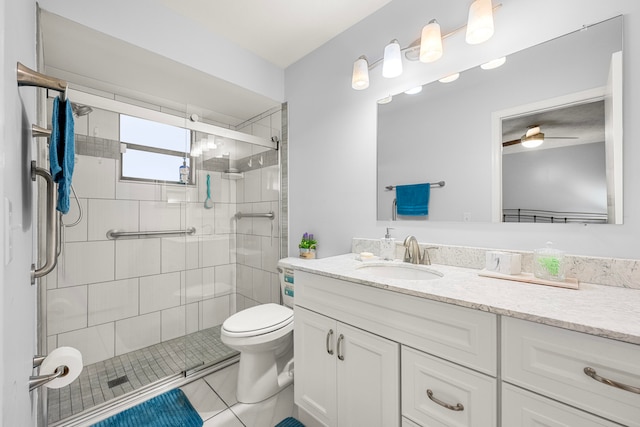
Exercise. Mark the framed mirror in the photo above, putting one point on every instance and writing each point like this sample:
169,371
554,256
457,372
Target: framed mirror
454,132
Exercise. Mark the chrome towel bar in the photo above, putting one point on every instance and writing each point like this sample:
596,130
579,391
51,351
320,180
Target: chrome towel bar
433,185
52,218
115,234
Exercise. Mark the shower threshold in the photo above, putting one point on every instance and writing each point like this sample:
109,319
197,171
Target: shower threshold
102,384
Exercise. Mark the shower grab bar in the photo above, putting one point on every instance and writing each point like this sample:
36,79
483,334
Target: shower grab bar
269,215
29,77
51,222
433,185
115,234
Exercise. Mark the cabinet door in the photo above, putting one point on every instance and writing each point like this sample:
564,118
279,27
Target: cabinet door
314,340
368,379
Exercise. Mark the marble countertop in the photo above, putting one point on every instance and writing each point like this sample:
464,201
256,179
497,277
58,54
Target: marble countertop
605,311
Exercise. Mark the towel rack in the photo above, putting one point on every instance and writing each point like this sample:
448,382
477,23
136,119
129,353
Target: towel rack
115,234
269,215
438,184
52,220
29,77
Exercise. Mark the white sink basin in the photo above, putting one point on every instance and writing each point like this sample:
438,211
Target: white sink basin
401,271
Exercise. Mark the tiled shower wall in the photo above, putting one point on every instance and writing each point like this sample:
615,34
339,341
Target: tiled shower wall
109,297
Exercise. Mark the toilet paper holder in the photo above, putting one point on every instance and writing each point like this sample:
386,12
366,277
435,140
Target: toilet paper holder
36,381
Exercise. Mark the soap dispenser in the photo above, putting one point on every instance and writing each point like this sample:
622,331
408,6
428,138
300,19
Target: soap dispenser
388,246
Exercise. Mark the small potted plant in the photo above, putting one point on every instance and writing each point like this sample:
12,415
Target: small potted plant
307,246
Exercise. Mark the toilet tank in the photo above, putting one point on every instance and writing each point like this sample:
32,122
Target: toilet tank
286,284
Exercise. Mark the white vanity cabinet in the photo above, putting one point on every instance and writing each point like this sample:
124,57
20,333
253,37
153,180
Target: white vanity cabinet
364,388
569,367
344,375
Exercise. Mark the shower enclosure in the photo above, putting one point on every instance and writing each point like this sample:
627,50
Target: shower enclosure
154,260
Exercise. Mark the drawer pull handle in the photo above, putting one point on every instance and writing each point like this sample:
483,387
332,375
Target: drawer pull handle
592,373
340,339
329,335
458,406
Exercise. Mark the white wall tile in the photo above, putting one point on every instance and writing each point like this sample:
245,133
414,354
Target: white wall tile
137,332
104,124
252,250
179,253
137,257
95,343
244,280
275,288
270,254
252,186
208,282
193,317
174,193
52,343
261,285
173,322
192,285
262,226
225,221
215,250
270,183
77,233
156,216
214,311
225,281
105,215
86,262
94,177
113,301
66,309
129,190
244,225
159,292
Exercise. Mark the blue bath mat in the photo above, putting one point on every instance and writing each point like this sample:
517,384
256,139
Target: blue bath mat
171,409
290,422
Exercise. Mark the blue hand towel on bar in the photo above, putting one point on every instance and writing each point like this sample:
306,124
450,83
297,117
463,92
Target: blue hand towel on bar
62,150
413,200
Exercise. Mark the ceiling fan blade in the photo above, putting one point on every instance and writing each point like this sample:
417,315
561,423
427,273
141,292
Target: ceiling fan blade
512,142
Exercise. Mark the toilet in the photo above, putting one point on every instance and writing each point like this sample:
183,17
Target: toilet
264,337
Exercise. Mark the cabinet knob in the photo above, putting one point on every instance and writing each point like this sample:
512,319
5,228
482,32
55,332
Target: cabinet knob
329,346
457,407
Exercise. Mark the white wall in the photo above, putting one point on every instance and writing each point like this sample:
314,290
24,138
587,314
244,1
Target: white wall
151,25
17,296
333,128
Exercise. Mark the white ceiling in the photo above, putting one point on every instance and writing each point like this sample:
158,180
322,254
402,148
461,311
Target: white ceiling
280,31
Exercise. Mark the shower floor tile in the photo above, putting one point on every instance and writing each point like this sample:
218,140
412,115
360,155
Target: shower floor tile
114,377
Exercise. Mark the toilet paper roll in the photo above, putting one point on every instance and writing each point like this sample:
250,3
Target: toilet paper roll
62,356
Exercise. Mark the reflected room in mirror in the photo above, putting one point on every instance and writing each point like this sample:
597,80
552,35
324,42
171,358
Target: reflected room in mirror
469,133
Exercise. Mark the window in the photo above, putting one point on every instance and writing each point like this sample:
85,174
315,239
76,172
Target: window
155,151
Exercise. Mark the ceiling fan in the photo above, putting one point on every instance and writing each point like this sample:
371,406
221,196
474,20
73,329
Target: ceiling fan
534,137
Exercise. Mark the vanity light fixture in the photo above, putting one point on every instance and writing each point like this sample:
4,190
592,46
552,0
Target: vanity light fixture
431,42
428,47
392,62
495,63
413,90
450,78
360,78
480,22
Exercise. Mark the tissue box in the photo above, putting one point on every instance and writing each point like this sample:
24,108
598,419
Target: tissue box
504,262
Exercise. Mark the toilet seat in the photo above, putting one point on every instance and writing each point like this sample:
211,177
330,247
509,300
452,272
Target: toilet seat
258,320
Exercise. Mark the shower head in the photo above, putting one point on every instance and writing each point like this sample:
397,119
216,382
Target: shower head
80,110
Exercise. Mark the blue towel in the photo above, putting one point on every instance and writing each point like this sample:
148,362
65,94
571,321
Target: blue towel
62,150
290,422
413,200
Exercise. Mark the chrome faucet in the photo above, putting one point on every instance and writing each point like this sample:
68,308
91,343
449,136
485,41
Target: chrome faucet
412,251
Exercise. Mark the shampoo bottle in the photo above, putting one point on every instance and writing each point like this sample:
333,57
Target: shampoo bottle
388,246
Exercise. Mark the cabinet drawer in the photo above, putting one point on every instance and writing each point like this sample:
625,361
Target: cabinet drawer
408,423
523,408
471,396
551,361
459,334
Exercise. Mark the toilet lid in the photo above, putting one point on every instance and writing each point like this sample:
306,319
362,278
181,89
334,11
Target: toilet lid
260,319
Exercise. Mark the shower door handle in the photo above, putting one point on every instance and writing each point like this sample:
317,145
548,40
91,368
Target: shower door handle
51,224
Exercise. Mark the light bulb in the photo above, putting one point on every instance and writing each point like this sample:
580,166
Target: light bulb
495,63
392,62
360,77
480,22
413,90
431,42
450,78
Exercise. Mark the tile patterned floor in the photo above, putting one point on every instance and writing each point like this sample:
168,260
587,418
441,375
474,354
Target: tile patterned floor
214,397
105,380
